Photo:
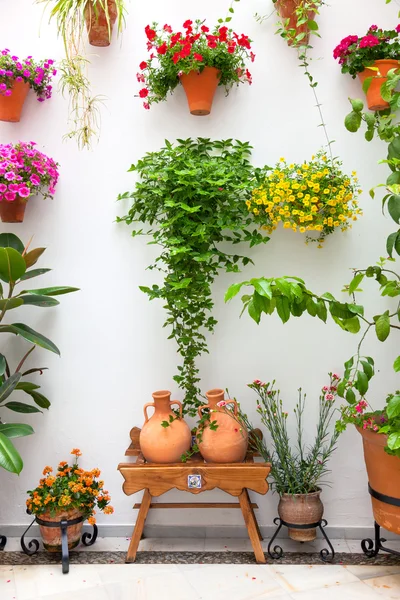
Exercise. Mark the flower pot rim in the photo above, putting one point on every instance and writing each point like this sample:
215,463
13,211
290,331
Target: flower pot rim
198,72
312,494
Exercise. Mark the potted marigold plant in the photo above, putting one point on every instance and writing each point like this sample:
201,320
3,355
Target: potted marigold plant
370,57
70,493
314,196
297,472
24,172
17,76
199,58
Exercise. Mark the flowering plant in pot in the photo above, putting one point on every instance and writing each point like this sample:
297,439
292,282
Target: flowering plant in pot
298,20
297,471
70,493
370,57
24,172
199,57
314,196
16,262
17,76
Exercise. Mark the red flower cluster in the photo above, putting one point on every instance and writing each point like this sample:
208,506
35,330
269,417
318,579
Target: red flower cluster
342,50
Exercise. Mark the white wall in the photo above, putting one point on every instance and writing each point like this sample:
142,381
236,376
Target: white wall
114,350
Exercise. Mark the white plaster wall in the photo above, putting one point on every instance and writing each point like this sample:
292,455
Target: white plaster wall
114,350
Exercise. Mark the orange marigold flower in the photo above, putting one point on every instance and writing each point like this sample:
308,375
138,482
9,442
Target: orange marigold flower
91,520
50,480
108,510
63,464
47,470
96,472
76,451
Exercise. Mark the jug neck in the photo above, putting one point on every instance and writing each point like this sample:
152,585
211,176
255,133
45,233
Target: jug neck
162,400
215,396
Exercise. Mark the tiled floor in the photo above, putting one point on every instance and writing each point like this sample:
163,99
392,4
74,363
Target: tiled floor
201,582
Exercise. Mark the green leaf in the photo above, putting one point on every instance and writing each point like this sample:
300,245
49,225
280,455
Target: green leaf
366,84
33,256
9,386
394,440
394,207
3,364
322,312
233,290
352,121
390,242
55,291
21,407
10,303
352,325
356,309
10,459
15,430
9,240
396,364
283,308
27,386
349,363
31,335
382,327
355,282
393,407
357,104
33,273
341,388
350,396
263,287
362,383
313,25
12,265
368,369
39,399
254,311
36,300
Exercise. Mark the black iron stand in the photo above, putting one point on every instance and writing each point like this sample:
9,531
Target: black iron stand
3,542
372,547
277,552
88,539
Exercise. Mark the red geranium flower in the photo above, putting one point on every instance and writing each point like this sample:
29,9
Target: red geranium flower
212,41
175,38
222,34
168,28
146,105
197,56
163,48
143,65
205,29
176,57
144,92
252,56
186,50
231,47
188,24
151,34
244,41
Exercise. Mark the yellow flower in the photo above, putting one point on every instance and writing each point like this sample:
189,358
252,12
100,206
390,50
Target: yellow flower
302,229
300,195
281,159
286,224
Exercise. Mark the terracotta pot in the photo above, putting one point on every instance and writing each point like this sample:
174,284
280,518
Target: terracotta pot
287,10
99,31
11,106
51,536
301,509
164,444
384,477
200,89
374,98
13,212
228,443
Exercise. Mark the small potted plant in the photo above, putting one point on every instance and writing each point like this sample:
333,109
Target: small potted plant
370,57
70,493
297,472
297,19
314,196
17,76
199,58
24,172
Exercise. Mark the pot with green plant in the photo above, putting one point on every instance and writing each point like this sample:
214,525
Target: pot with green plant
297,472
192,196
16,262
72,16
200,59
298,19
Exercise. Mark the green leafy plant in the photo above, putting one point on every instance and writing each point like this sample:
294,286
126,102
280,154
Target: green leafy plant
193,197
295,468
84,107
16,261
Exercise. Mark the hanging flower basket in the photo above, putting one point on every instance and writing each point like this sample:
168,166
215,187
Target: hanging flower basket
99,23
376,74
287,11
200,89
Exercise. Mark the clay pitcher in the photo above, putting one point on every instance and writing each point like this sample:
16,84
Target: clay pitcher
99,30
228,442
161,444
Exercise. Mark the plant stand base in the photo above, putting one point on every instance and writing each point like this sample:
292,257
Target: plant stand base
276,553
3,542
372,547
88,539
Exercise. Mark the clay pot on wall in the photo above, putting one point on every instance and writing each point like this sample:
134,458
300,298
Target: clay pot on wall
51,536
99,30
11,106
200,89
160,444
13,212
287,10
301,509
228,442
384,477
373,94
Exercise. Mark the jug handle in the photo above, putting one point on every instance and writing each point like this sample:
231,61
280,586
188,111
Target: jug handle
200,409
180,406
235,410
145,407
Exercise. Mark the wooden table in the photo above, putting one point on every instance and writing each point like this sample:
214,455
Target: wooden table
194,476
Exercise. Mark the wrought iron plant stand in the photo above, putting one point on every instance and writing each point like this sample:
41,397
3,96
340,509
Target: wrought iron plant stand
277,552
372,547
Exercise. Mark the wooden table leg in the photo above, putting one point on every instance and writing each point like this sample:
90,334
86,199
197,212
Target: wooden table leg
251,524
138,530
260,537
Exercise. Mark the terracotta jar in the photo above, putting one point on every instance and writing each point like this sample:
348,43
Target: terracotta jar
13,212
287,10
164,444
301,509
384,477
99,31
200,89
51,536
373,94
11,106
228,443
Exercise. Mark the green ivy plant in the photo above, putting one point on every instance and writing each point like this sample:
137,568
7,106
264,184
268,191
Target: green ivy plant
192,195
16,261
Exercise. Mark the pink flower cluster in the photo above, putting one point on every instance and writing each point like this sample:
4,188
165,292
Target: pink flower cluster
342,50
38,75
24,171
